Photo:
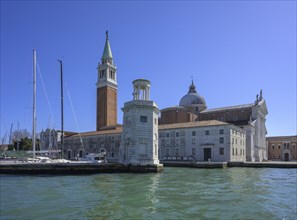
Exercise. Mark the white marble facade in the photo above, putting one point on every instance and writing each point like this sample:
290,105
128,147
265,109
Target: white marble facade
139,142
202,141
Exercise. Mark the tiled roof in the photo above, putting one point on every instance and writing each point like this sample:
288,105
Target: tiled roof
192,124
117,130
235,107
282,138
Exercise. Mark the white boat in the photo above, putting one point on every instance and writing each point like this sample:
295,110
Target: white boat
93,158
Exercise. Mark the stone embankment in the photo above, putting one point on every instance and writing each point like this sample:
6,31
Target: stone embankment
76,168
195,164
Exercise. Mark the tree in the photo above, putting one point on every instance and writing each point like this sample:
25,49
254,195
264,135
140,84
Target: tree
19,134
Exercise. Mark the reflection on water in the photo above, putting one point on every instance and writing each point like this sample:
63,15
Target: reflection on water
177,193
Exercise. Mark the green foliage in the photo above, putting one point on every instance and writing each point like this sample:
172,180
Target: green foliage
25,144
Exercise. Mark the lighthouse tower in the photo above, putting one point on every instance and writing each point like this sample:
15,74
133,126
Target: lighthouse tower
139,142
107,88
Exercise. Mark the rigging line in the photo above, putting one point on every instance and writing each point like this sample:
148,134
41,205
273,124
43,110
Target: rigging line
74,115
46,96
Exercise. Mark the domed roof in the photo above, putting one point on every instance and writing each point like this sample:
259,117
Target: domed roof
192,98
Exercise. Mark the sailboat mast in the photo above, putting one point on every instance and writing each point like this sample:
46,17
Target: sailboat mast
62,110
34,103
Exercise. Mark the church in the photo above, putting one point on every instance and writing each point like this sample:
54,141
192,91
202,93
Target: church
186,132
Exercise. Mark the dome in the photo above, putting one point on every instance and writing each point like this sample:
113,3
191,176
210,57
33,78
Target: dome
193,100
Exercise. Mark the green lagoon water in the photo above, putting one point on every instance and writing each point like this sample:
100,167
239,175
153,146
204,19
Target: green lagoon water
176,193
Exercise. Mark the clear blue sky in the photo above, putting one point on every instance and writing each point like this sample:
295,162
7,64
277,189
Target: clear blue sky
231,48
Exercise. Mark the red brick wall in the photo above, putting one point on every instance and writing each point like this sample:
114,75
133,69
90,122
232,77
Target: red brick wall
106,107
176,116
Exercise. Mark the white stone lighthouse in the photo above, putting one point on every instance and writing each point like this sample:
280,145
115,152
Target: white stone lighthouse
139,143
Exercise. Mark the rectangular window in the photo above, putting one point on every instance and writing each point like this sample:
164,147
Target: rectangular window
193,133
221,151
193,151
167,135
167,142
221,140
177,134
167,152
143,119
177,151
232,151
193,141
207,132
221,131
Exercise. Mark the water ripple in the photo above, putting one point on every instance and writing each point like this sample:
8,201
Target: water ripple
177,193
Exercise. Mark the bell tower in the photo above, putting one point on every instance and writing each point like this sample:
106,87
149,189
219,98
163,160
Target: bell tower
106,90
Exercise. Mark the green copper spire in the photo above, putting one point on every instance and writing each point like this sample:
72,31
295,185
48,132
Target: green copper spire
107,51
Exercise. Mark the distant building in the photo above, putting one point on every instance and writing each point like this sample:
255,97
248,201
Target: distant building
81,144
188,131
107,88
49,139
249,117
139,143
282,148
202,141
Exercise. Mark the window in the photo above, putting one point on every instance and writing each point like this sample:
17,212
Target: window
167,135
193,141
177,134
221,140
293,146
221,151
232,151
177,151
193,151
167,152
279,146
236,151
167,142
193,133
143,119
207,132
221,131
273,146
156,121
232,140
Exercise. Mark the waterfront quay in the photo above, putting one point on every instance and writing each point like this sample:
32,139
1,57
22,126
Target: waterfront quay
89,168
194,164
76,168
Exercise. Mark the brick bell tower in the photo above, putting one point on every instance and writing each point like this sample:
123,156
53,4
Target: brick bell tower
106,90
